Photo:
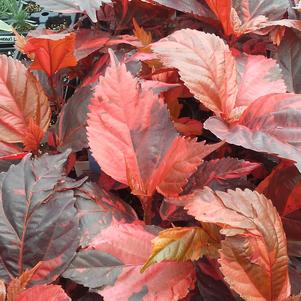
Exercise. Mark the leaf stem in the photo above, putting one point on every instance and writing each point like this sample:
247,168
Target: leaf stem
146,202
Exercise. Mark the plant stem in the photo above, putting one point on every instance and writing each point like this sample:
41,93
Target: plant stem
146,202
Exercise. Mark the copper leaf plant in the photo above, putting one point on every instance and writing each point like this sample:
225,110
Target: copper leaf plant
152,152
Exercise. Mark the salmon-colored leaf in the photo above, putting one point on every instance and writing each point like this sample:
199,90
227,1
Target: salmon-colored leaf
22,99
2,291
257,76
112,265
125,120
254,257
188,127
206,66
43,293
52,52
270,124
181,244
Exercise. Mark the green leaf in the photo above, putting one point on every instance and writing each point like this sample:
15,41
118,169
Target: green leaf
5,27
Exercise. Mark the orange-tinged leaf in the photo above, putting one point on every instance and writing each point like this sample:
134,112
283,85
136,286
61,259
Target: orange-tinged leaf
22,99
2,291
222,9
181,244
254,257
20,42
33,137
18,285
43,293
134,124
206,66
52,52
144,37
188,127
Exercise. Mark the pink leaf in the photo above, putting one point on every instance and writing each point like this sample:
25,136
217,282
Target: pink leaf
206,66
43,293
270,124
257,76
116,273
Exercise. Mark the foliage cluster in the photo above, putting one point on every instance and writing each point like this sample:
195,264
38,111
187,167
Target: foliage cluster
189,115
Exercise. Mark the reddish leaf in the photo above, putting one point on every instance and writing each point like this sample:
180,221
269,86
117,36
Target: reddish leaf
112,266
38,219
33,137
129,130
22,99
71,124
222,9
211,284
254,257
205,65
270,124
214,172
43,293
188,127
74,6
282,186
52,52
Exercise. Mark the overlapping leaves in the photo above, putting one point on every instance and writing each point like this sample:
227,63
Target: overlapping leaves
254,234
222,83
133,124
111,265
